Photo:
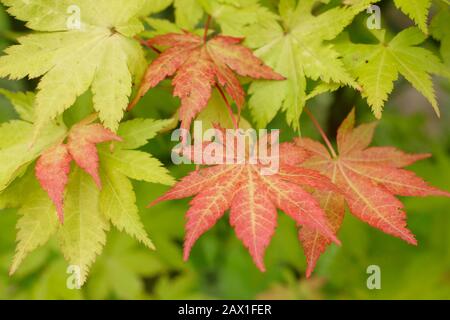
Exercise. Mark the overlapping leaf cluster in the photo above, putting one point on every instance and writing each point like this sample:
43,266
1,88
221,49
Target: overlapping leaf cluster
92,199
367,179
83,173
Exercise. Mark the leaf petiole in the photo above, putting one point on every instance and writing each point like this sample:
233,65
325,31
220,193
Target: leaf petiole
322,133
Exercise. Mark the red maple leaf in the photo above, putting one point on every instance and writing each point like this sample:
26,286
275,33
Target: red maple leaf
252,199
53,166
369,179
198,65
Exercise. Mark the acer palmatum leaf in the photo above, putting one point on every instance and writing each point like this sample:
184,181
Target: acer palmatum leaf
103,58
52,172
198,65
82,146
252,199
53,166
315,244
369,179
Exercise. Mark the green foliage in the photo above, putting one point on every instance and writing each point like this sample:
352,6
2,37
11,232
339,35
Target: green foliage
330,60
377,66
88,210
101,55
296,48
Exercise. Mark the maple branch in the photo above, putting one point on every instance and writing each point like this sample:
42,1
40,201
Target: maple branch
322,133
230,110
208,22
145,44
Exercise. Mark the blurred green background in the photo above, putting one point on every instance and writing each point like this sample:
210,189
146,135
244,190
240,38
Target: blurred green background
219,266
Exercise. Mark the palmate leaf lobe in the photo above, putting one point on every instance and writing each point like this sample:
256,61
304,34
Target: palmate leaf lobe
53,166
369,178
89,211
252,198
198,65
378,66
296,44
98,52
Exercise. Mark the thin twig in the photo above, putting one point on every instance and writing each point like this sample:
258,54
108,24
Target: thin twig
145,43
230,110
322,133
208,22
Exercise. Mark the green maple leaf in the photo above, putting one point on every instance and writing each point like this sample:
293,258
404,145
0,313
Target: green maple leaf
18,147
88,210
296,48
99,53
377,66
230,15
155,6
117,197
83,234
121,271
37,222
234,15
22,103
188,13
417,10
440,31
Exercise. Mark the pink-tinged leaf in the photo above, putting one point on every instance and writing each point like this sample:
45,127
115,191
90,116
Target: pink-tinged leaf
175,40
369,179
253,216
227,80
314,147
162,67
253,198
82,146
353,139
193,86
375,205
292,154
198,66
240,59
385,156
306,177
299,205
196,182
314,244
52,171
397,181
208,207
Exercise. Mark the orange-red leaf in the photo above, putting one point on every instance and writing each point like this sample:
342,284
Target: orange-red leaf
375,205
52,172
199,65
385,156
369,179
53,166
254,216
82,146
208,207
313,243
252,199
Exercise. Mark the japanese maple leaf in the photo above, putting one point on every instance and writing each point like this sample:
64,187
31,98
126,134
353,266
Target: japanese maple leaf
378,66
76,46
198,65
252,199
53,167
369,178
296,44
